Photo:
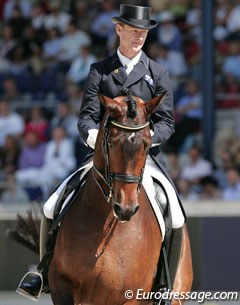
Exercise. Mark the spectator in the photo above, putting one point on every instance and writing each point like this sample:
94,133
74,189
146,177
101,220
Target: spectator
173,166
168,34
18,22
59,159
185,190
33,151
188,116
24,5
71,43
210,188
32,46
51,48
56,18
83,14
66,119
11,123
38,124
222,11
197,167
58,162
38,17
232,190
193,21
10,90
174,61
29,163
7,45
193,55
102,26
30,41
224,161
231,62
233,22
9,155
19,63
80,66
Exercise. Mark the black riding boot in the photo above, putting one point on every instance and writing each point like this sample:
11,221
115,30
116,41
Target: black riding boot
174,252
168,265
38,280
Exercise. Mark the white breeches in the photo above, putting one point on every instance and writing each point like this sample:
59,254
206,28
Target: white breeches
151,170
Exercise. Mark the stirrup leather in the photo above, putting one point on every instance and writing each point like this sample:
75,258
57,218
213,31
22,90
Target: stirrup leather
26,294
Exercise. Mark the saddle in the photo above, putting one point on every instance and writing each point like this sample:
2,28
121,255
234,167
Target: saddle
73,187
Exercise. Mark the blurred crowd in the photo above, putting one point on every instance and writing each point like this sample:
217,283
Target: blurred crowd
46,49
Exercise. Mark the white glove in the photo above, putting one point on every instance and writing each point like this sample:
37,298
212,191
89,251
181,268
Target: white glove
92,137
152,134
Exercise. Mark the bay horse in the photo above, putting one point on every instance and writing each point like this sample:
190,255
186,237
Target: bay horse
109,240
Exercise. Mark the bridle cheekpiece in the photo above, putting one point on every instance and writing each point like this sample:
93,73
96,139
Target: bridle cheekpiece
109,176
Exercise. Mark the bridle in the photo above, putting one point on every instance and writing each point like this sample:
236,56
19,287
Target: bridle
109,176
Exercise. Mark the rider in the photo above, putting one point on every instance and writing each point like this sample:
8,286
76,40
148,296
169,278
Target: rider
129,68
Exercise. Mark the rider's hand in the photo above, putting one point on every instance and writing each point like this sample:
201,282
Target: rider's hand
151,132
92,137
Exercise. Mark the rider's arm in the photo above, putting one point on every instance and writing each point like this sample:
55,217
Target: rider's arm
163,118
90,111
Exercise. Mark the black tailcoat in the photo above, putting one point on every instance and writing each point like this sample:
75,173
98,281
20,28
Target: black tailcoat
147,80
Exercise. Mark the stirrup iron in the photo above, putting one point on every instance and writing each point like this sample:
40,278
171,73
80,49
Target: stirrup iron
26,294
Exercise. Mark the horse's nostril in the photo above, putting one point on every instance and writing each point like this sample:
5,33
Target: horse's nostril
124,212
117,208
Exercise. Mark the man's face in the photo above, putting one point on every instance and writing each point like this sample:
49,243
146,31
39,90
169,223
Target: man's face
131,39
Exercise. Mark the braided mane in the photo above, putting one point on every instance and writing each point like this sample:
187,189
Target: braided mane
132,105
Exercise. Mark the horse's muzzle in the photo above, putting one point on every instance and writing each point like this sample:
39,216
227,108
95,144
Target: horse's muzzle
124,212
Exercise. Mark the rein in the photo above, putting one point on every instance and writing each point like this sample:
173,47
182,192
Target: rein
110,176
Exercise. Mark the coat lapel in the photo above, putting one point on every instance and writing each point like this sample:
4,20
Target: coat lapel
140,71
117,70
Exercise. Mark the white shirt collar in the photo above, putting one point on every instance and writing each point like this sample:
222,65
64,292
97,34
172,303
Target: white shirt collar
129,63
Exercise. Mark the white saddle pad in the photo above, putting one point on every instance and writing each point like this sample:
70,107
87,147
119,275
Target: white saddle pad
151,170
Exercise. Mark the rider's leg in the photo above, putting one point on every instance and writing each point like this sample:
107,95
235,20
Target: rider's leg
178,218
174,252
33,287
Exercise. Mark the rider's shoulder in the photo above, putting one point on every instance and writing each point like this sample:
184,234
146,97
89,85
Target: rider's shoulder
100,65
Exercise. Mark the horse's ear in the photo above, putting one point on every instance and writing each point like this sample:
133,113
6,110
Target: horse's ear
113,105
105,100
152,105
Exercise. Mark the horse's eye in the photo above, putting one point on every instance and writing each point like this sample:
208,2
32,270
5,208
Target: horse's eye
110,145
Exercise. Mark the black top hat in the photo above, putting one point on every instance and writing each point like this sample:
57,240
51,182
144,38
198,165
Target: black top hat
136,16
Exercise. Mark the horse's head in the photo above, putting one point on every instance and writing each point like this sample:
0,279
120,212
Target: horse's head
121,149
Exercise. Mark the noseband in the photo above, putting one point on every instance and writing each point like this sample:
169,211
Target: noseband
110,176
